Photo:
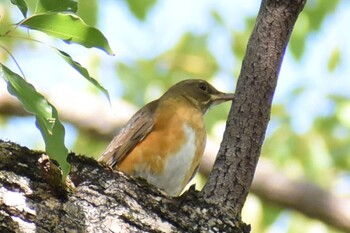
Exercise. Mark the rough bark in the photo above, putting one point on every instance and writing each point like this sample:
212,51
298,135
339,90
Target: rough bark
235,165
102,201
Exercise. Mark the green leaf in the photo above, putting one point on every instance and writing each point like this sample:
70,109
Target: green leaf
46,116
217,17
298,39
318,11
334,60
140,8
309,20
22,6
88,11
83,71
270,214
44,6
69,28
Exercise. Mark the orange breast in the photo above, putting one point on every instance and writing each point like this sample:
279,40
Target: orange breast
174,132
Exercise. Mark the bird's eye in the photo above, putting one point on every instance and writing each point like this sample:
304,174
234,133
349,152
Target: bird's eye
203,86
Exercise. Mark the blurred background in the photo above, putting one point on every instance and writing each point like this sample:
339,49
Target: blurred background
160,42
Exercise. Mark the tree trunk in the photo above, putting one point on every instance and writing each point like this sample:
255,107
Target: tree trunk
234,168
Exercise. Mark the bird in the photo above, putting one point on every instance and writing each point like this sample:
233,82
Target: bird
164,141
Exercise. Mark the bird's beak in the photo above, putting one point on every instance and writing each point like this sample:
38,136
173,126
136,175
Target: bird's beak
220,97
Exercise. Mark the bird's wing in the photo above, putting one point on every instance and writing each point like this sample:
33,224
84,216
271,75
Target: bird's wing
137,128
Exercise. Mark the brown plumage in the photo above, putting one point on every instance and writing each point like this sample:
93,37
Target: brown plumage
165,140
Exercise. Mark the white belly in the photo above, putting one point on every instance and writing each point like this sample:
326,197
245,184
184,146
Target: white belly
176,168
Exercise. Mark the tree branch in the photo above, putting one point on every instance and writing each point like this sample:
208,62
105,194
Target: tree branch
234,168
102,201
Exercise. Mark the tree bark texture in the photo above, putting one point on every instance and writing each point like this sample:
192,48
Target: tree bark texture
235,165
102,200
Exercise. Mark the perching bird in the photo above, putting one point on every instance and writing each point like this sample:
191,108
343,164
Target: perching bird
164,141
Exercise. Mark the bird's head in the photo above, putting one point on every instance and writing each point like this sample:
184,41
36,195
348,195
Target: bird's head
199,93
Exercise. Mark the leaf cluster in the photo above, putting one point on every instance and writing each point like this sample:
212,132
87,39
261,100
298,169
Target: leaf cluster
57,19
